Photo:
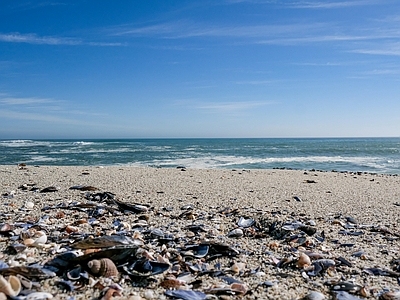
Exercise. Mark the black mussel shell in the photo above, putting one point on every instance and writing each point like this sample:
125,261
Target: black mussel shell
144,268
197,251
342,295
186,294
15,248
222,249
31,272
50,189
106,242
135,208
75,273
59,263
245,222
117,255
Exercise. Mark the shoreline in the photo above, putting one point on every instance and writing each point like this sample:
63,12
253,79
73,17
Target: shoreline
323,200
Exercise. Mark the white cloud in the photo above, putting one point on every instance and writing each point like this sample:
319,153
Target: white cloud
32,38
331,4
26,101
232,106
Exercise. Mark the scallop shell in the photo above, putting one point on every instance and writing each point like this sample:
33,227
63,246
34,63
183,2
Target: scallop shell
103,267
10,287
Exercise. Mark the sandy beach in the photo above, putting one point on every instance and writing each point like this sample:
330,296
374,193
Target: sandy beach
344,225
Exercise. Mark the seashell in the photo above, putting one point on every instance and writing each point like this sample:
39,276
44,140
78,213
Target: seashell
245,222
345,296
235,233
103,267
144,267
15,248
39,296
346,286
71,229
303,261
238,267
186,294
29,205
390,296
50,189
313,295
5,228
197,251
10,287
239,288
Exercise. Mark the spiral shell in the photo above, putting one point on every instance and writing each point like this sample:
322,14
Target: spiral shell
10,287
103,267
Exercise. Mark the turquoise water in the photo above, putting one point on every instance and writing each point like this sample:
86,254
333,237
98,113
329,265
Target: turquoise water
375,155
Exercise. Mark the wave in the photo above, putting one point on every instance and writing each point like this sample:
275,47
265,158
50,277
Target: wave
302,162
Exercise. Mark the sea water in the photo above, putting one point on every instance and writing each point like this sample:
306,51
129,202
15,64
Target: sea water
373,155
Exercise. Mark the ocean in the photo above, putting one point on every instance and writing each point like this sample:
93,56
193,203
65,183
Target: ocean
372,155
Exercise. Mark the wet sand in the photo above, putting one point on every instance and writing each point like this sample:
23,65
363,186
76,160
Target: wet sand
353,218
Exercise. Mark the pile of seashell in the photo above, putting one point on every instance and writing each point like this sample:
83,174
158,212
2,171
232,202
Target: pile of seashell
220,254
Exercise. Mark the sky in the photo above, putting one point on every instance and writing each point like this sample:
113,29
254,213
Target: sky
199,69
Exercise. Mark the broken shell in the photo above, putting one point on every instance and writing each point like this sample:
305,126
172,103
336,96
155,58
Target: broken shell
313,295
390,296
342,295
238,267
103,267
38,239
235,233
10,287
186,294
29,205
304,261
245,222
39,296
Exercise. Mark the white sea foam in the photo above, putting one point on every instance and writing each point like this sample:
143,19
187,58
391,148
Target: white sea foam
231,161
82,143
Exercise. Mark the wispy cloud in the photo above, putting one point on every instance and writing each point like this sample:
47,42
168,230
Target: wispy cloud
392,49
237,106
331,4
32,38
34,108
26,101
187,29
257,82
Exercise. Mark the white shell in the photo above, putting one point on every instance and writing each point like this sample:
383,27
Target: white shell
29,205
39,296
236,233
11,286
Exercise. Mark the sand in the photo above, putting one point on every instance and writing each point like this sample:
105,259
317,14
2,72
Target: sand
266,263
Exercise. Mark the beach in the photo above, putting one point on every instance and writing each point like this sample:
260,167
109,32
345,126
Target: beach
345,223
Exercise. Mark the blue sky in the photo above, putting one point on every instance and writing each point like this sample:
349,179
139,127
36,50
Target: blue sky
227,68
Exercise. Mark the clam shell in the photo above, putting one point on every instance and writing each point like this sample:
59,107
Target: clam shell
390,296
10,287
313,295
39,296
235,233
103,267
304,261
245,222
186,294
